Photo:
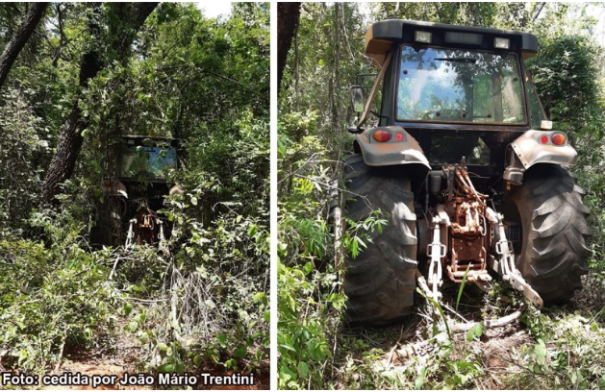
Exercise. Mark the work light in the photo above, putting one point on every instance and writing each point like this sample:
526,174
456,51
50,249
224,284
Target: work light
423,36
501,43
546,125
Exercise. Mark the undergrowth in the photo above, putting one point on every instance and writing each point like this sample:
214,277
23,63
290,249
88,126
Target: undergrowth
558,348
204,302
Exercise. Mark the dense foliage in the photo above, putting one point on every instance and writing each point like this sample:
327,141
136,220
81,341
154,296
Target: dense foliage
202,80
316,350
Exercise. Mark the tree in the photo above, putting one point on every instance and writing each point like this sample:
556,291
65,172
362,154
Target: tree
19,39
70,142
288,15
565,71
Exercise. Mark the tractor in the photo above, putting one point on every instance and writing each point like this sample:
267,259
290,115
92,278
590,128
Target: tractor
129,215
462,162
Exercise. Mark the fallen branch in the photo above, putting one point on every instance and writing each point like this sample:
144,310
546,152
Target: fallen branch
392,352
425,287
60,358
500,322
414,349
467,326
115,264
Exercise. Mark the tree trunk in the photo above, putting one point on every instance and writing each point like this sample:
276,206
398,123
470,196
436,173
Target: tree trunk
70,141
296,73
19,39
288,16
336,92
132,17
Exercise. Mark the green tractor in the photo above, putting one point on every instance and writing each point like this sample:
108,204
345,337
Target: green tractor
464,164
129,214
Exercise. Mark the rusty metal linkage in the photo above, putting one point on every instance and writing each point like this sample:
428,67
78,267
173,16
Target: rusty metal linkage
467,227
144,228
469,230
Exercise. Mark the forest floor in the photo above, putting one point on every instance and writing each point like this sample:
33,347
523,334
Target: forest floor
122,354
418,353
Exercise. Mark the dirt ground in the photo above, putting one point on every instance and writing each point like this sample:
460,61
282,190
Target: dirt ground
109,367
126,356
119,364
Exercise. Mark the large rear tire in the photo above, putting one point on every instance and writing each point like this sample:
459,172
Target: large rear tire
108,229
380,282
554,242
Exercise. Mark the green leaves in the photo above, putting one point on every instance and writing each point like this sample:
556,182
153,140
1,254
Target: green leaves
133,326
420,379
565,72
143,337
260,298
166,368
353,239
67,297
460,290
222,340
302,345
162,348
540,352
127,308
303,369
241,351
474,332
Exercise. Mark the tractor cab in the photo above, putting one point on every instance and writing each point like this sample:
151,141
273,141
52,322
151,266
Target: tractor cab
129,214
462,93
147,159
144,167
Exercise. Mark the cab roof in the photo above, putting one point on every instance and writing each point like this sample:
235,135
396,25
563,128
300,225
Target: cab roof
383,35
139,140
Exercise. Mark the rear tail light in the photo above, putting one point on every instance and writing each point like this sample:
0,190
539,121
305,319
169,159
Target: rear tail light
558,139
553,138
381,135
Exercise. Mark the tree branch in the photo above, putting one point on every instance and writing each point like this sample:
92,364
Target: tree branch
19,39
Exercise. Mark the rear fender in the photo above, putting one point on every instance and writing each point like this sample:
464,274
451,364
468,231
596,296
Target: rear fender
175,190
394,152
527,150
114,188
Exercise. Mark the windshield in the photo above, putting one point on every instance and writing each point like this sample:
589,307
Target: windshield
455,85
147,162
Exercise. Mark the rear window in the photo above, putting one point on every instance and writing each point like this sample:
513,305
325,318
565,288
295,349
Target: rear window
456,85
147,162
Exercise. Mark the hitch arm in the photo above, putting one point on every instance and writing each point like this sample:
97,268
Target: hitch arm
436,251
505,266
130,236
